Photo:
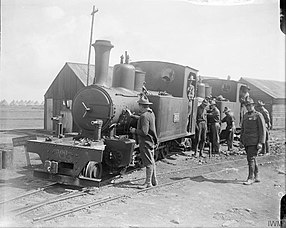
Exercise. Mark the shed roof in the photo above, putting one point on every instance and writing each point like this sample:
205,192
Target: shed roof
80,70
275,89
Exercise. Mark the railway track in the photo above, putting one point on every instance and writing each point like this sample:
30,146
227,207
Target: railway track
128,189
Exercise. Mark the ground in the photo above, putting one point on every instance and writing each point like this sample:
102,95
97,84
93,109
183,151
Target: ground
211,199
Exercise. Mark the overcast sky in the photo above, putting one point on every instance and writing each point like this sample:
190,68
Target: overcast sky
39,37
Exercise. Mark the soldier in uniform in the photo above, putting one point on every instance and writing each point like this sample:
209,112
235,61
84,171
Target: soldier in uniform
213,117
253,133
260,108
201,128
147,137
230,127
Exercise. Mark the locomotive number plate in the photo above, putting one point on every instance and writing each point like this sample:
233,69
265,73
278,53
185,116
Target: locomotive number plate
176,117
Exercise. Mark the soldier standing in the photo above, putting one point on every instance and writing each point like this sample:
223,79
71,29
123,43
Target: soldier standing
260,108
201,128
230,127
213,117
253,133
147,136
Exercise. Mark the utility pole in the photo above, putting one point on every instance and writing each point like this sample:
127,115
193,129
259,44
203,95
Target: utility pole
94,10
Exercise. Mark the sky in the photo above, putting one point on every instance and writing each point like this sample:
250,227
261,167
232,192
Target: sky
218,38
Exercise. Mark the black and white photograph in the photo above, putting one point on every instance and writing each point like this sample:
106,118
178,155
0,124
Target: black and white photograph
142,113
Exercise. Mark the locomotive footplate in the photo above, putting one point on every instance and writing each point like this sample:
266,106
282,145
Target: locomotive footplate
67,163
67,180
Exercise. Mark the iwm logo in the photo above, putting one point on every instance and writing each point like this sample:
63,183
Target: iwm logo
273,223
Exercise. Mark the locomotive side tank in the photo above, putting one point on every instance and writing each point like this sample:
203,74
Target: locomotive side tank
172,80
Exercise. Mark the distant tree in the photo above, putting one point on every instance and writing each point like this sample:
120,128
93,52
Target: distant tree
22,103
30,102
4,103
13,103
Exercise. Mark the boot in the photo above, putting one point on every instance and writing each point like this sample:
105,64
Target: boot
256,178
202,155
267,148
147,183
196,154
248,182
154,178
250,178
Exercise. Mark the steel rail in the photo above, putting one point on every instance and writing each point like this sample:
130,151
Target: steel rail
68,211
32,205
55,199
102,201
28,193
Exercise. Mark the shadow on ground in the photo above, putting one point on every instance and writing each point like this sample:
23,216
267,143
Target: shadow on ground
217,181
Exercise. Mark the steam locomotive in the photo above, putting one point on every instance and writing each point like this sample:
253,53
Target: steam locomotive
104,115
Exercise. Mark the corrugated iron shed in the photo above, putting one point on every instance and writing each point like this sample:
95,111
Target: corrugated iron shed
275,89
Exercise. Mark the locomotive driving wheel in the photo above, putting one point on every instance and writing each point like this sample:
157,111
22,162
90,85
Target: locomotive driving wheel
92,170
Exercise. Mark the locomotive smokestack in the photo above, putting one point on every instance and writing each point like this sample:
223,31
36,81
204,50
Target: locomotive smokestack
102,51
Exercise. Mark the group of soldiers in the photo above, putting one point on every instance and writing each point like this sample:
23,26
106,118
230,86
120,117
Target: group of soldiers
208,123
254,134
254,137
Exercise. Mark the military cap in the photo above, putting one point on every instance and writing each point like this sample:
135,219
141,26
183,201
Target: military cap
144,101
205,102
226,109
212,102
260,103
249,101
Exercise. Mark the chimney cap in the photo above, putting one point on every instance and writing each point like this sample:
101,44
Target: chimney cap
103,42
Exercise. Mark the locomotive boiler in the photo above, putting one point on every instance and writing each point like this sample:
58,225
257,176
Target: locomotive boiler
104,115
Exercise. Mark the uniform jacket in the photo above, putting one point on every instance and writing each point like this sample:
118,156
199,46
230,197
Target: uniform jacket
201,114
253,130
146,129
214,116
265,114
229,119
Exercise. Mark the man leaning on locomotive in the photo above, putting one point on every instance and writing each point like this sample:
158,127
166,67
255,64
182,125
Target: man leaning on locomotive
147,136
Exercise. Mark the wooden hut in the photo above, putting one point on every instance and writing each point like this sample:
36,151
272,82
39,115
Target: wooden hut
59,96
272,93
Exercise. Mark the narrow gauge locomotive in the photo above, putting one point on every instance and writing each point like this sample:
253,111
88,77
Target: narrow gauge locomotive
104,116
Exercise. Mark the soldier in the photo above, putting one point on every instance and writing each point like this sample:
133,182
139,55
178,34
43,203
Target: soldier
260,108
213,117
243,96
201,128
147,137
253,133
230,127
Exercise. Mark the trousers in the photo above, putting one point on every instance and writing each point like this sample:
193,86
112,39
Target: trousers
251,153
214,136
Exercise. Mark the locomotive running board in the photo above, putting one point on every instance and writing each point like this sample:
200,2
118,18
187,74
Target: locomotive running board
67,180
